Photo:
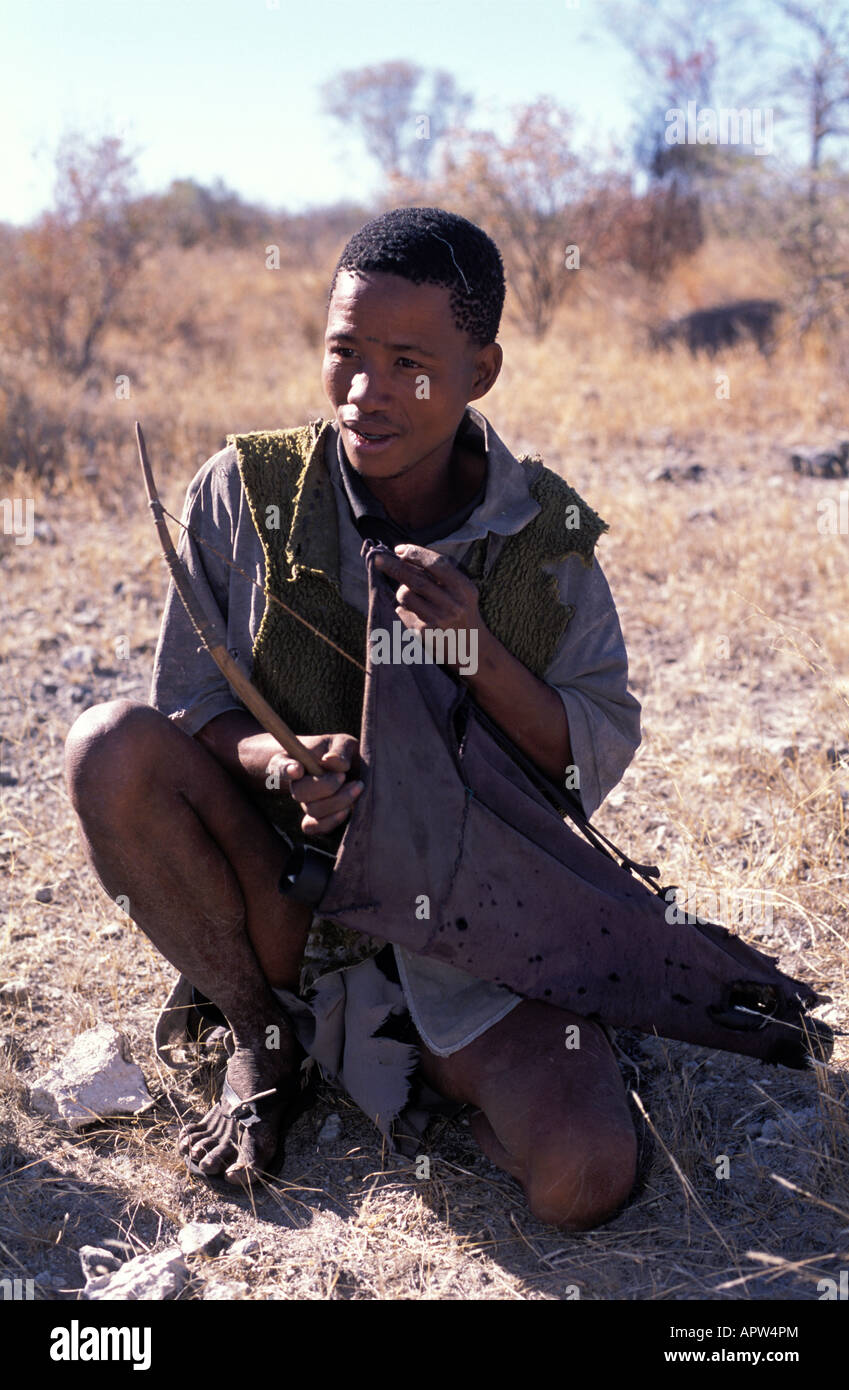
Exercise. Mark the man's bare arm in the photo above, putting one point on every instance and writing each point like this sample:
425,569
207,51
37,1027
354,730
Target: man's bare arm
253,756
529,711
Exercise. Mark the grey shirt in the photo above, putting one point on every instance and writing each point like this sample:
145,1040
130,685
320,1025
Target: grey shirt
589,669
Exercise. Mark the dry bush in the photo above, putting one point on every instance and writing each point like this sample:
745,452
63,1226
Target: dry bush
738,651
65,277
31,433
656,231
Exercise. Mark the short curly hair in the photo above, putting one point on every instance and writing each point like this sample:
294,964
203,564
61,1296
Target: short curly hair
432,247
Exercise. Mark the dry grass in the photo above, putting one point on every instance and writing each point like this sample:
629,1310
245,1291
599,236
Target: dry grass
732,605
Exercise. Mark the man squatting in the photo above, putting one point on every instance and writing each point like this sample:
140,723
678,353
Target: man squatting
172,797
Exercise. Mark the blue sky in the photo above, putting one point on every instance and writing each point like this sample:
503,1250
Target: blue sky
205,89
229,88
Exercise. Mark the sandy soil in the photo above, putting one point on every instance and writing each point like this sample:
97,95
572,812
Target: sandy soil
730,603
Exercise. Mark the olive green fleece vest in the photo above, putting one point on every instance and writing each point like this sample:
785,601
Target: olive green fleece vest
293,506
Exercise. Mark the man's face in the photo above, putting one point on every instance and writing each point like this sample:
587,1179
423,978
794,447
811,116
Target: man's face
397,370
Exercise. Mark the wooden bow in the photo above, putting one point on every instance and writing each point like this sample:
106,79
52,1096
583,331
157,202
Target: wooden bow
206,627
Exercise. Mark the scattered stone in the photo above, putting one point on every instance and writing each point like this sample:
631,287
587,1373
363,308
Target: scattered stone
7,777
246,1246
797,1128
226,1291
97,1262
202,1238
702,514
14,992
677,473
330,1130
112,929
44,895
780,748
96,1079
43,531
78,659
827,463
148,1277
88,617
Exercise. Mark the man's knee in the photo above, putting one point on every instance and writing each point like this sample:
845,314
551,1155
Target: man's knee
107,747
577,1187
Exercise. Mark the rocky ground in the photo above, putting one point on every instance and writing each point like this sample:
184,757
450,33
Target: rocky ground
731,603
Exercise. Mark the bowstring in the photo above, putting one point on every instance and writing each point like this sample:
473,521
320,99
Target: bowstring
263,590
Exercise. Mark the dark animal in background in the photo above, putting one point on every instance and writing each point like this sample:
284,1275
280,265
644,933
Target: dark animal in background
822,463
723,326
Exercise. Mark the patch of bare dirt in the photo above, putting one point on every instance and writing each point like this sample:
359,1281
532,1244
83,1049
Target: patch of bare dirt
730,604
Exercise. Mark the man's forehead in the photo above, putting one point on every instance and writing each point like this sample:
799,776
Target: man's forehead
359,297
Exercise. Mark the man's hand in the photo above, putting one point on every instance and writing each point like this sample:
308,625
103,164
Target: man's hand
327,800
256,760
432,592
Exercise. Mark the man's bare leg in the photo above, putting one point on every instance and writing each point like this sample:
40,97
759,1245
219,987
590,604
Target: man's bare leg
167,826
556,1118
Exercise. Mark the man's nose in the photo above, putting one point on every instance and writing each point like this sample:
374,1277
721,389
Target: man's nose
369,391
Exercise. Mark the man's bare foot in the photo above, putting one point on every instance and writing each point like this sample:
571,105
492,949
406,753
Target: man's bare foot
239,1149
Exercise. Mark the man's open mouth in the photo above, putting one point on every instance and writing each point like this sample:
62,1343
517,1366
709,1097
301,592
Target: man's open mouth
369,436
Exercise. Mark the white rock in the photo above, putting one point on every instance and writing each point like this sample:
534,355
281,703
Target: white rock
14,992
78,658
88,617
146,1277
96,1079
97,1262
201,1238
246,1246
219,1293
330,1130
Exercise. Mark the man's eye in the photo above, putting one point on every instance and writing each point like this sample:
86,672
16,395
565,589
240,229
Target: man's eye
341,351
407,362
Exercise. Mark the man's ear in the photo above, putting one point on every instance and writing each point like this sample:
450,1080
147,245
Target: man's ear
487,367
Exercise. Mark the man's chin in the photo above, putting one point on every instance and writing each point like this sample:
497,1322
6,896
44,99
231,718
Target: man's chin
391,461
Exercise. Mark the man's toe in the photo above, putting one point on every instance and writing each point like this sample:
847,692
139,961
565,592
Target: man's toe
209,1126
217,1156
240,1174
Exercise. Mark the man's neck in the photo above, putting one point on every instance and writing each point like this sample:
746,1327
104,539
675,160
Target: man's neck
435,488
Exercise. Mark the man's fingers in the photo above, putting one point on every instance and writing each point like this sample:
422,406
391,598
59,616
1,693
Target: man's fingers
439,566
311,826
420,558
430,613
325,815
341,752
423,580
308,789
336,762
